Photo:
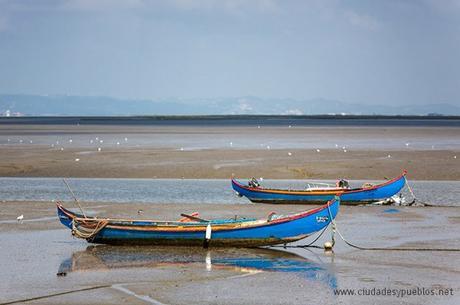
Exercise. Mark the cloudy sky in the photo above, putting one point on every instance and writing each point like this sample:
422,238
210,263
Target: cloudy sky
375,52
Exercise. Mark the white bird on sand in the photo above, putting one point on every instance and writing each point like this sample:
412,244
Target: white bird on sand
181,149
20,141
70,141
101,141
261,178
289,154
8,140
455,157
126,139
290,126
31,141
258,126
389,156
52,145
97,138
231,143
336,145
62,148
99,149
268,146
118,143
345,150
20,218
76,160
91,141
407,144
317,150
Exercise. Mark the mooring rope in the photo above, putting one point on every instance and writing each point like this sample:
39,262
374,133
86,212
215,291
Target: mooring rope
335,229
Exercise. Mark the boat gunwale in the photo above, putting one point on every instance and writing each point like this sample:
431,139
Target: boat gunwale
201,226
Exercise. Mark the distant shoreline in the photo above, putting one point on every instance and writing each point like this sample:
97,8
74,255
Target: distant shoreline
242,120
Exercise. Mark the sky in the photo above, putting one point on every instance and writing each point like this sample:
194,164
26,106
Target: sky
373,52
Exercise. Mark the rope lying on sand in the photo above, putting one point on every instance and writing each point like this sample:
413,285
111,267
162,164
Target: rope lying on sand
335,229
54,295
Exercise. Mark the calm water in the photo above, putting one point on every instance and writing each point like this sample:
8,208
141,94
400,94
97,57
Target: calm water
209,191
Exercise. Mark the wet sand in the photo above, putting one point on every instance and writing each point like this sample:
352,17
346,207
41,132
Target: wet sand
219,152
148,275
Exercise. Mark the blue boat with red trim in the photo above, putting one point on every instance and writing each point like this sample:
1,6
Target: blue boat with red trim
312,195
192,230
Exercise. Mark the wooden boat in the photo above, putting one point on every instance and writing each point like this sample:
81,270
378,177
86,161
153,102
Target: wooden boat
243,232
312,195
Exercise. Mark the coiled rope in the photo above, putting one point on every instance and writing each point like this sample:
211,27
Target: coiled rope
80,231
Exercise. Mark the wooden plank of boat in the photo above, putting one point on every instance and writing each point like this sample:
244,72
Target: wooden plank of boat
239,232
312,196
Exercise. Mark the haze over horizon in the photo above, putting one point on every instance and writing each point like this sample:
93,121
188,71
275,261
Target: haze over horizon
375,53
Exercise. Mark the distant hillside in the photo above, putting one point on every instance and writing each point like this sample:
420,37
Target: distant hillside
41,105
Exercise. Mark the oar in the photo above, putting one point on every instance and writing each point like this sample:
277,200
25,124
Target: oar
194,218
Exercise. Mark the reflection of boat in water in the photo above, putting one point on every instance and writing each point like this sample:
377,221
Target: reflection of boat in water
104,257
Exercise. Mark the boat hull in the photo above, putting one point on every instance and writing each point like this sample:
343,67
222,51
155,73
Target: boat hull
352,196
252,234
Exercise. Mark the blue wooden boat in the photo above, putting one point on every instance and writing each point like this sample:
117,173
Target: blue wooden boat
275,229
313,195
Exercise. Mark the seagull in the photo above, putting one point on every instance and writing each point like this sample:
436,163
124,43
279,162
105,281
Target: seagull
76,160
231,143
258,126
455,157
101,141
290,126
62,148
20,217
181,149
389,156
126,139
99,149
91,141
345,150
317,150
268,146
118,143
289,154
70,141
407,144
336,145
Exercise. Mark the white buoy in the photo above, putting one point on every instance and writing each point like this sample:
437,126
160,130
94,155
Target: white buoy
77,159
20,218
208,232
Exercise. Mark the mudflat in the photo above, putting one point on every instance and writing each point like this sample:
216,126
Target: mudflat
39,247
428,153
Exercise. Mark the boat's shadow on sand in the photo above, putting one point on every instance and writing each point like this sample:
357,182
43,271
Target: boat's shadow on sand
105,257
